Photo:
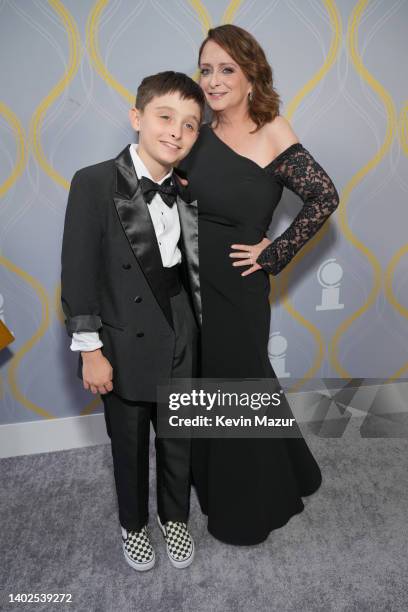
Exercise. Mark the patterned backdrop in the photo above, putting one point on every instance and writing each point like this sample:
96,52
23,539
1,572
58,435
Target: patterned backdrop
69,71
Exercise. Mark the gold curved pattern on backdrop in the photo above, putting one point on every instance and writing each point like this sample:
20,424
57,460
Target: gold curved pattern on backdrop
352,41
89,408
21,156
21,159
336,28
36,146
206,24
330,59
38,288
403,131
23,350
403,310
92,44
231,11
392,266
39,114
202,14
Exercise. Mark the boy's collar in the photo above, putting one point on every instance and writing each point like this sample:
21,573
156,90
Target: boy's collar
126,178
140,167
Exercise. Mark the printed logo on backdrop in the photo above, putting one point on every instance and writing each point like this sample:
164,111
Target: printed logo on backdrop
329,276
277,346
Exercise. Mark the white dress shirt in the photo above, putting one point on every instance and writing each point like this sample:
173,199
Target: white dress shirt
166,225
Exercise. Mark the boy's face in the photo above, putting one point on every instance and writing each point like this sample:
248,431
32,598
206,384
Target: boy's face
168,127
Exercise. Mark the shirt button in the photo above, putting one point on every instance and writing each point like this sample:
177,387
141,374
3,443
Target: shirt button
138,299
140,334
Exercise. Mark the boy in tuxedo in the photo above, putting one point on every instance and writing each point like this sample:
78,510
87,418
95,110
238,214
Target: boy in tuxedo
130,293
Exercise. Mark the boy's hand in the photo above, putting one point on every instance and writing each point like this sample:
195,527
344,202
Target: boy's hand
97,372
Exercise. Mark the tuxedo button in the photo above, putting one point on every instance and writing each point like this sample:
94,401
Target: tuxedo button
126,266
138,299
140,334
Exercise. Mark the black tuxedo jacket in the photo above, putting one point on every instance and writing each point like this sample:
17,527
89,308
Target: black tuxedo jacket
112,276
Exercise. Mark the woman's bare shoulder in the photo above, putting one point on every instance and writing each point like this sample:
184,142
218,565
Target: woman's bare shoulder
280,134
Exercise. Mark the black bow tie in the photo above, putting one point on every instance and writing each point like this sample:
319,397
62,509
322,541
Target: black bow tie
166,190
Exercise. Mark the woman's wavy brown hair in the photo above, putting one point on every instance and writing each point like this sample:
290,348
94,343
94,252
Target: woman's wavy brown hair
249,55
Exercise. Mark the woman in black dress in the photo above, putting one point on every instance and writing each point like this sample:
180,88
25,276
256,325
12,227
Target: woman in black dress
236,171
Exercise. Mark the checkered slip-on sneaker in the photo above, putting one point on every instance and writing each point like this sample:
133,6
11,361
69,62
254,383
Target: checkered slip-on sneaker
137,549
179,543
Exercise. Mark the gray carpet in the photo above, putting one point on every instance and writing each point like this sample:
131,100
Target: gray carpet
346,552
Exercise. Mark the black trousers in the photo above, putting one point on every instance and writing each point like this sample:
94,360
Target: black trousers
128,426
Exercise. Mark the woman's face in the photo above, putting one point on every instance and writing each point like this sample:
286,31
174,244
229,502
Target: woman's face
224,84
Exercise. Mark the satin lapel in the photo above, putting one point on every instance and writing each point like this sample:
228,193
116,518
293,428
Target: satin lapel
188,214
138,227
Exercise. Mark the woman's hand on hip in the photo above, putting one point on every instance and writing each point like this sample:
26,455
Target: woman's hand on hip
247,254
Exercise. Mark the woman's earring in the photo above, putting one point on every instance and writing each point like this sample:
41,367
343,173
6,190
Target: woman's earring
250,97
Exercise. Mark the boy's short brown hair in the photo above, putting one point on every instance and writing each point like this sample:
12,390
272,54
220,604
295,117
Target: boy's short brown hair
166,82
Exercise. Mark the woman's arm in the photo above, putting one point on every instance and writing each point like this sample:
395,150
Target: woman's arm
297,170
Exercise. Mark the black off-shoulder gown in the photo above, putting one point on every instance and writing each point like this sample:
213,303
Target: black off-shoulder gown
247,486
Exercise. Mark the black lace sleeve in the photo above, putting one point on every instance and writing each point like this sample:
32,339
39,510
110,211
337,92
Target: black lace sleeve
297,170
